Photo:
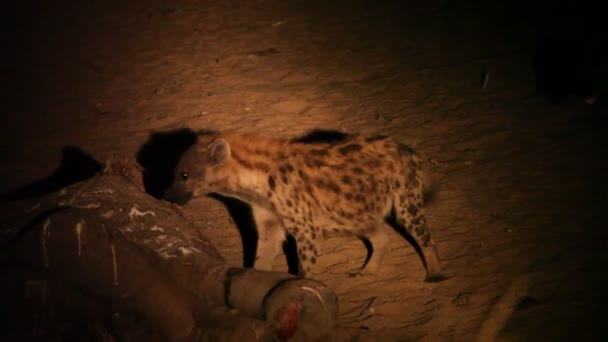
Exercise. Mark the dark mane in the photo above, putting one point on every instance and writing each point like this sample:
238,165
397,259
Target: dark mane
320,136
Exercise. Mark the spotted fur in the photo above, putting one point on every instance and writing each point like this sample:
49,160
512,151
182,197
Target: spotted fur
313,190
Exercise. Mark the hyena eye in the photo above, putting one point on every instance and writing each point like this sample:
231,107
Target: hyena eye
184,176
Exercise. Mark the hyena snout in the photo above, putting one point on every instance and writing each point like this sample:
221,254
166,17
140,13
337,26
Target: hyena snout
178,194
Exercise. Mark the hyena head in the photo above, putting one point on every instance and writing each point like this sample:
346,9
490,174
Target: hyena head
199,168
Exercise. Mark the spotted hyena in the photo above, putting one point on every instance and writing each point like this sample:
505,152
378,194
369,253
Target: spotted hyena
312,190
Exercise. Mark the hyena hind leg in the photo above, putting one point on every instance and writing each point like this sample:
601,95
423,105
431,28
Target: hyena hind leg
379,241
410,217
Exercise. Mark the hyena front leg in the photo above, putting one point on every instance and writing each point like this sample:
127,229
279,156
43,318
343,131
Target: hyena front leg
270,238
307,245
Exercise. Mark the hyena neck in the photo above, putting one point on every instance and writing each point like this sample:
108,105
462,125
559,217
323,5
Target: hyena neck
245,186
246,175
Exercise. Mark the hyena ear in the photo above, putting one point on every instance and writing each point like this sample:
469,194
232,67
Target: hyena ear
219,152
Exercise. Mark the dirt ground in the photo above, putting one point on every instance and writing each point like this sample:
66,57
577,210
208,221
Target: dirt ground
519,220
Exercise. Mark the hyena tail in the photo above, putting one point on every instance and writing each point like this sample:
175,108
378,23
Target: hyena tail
431,186
430,183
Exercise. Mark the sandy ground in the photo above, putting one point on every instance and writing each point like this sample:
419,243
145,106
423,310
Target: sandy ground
519,220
